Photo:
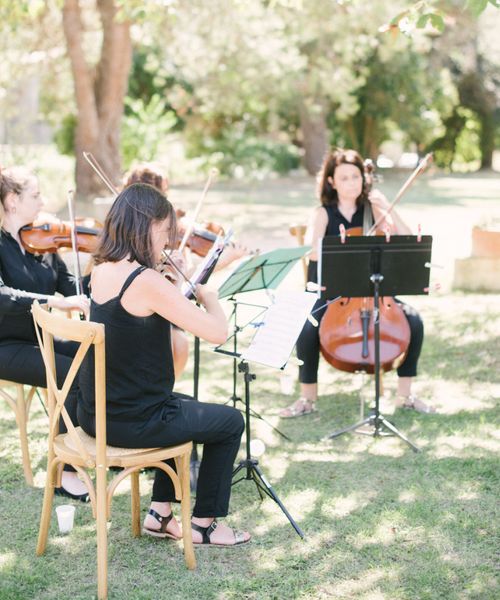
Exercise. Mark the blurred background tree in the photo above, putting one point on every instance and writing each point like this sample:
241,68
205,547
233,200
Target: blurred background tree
250,86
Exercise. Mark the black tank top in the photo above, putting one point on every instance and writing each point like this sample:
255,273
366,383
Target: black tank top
139,364
335,219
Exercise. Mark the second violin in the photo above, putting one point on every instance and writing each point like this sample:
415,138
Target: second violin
50,235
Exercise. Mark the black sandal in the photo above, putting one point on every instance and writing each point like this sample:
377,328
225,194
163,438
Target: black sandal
163,521
206,532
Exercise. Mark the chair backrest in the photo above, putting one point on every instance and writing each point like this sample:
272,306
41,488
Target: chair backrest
89,335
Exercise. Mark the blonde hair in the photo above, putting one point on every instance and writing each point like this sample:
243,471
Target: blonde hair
13,180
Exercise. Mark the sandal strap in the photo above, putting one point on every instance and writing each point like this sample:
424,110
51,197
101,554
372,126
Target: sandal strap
163,521
206,532
239,537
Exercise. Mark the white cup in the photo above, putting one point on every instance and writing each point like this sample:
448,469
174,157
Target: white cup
65,517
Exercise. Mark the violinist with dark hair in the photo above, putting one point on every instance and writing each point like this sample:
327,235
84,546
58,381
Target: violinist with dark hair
152,175
25,277
347,201
137,305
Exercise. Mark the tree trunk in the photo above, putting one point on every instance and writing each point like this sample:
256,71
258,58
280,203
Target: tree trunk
487,139
314,134
474,95
99,94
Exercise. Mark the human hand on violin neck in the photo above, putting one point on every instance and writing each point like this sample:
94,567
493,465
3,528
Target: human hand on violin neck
173,267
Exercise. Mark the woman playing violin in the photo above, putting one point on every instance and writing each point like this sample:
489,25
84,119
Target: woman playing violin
137,306
25,277
150,174
346,201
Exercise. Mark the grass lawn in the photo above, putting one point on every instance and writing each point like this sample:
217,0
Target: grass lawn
381,522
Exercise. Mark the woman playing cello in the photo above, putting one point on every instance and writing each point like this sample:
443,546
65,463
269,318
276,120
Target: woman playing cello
346,201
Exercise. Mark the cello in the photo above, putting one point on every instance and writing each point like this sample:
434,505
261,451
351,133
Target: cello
347,328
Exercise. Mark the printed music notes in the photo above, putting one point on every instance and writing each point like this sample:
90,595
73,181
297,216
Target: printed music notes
282,323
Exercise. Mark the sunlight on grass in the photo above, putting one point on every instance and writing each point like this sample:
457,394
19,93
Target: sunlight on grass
461,445
341,506
407,496
7,559
361,588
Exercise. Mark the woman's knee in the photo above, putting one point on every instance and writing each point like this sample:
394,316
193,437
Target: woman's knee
235,420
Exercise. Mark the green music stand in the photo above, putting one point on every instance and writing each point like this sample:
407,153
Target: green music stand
264,271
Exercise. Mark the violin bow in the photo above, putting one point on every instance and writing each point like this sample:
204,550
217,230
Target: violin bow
423,164
213,173
74,246
89,157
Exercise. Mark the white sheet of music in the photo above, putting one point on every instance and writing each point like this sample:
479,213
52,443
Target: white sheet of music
282,323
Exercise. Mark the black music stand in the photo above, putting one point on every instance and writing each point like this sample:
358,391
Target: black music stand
262,272
383,267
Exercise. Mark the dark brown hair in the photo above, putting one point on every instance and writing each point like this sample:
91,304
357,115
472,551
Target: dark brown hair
147,174
127,228
326,192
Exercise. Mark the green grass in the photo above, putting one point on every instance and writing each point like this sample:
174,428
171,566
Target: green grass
381,522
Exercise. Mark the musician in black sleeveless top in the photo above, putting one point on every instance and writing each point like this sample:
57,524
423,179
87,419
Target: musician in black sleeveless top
346,201
137,306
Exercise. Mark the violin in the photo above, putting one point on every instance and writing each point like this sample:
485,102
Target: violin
48,236
201,237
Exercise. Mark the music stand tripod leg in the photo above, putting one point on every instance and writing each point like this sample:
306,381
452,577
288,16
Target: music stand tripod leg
396,431
251,465
348,429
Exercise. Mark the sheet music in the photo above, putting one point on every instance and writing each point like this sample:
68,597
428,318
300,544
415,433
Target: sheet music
282,323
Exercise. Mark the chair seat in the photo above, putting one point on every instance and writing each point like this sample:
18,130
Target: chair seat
65,447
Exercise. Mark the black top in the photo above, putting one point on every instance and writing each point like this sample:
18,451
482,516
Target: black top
139,365
24,278
335,219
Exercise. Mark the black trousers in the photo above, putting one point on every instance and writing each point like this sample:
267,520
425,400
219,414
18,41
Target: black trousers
308,344
22,362
216,426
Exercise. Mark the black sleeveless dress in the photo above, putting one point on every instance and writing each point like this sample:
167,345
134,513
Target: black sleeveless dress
143,411
139,369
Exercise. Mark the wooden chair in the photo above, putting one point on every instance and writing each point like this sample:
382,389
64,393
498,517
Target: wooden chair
85,453
20,402
299,232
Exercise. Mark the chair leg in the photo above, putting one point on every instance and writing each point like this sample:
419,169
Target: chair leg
136,504
22,424
102,533
182,465
48,498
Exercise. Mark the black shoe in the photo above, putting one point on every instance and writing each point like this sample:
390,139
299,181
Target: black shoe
60,491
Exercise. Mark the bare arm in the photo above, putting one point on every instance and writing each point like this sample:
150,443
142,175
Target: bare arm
380,206
316,230
160,296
